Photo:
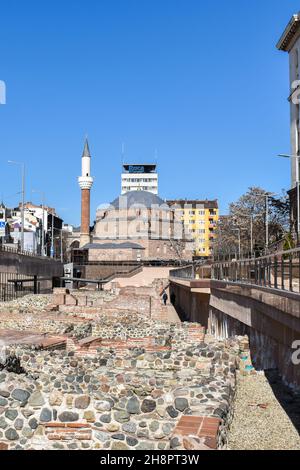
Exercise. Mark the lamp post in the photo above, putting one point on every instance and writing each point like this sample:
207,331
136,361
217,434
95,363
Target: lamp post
22,165
267,196
43,218
249,216
60,238
52,236
239,239
297,157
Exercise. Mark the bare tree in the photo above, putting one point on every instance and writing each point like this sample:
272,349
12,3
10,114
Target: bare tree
247,220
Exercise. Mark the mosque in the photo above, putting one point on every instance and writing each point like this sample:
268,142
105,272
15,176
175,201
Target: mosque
137,226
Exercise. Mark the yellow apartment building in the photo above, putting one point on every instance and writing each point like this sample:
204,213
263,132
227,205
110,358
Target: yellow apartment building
200,219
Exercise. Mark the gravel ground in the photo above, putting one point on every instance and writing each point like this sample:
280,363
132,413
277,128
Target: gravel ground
265,427
29,301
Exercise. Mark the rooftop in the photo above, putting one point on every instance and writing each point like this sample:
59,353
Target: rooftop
112,246
290,34
207,204
143,199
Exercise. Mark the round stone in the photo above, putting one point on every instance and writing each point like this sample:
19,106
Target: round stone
82,402
20,395
148,406
154,426
68,416
56,398
118,437
129,427
105,418
121,416
181,404
33,423
167,428
11,434
131,441
46,415
172,412
133,406
118,445
11,414
19,424
3,423
27,432
3,402
103,405
36,399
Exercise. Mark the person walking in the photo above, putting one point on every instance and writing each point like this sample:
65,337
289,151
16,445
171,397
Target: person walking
165,297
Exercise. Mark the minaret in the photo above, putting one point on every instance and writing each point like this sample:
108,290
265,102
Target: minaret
85,183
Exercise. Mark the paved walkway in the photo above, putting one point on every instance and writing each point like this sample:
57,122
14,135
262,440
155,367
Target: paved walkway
169,314
144,278
260,423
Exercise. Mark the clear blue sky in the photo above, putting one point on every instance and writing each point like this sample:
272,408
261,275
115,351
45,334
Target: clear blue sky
201,81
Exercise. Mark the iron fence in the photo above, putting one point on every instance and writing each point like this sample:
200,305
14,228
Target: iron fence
9,249
200,270
14,286
278,271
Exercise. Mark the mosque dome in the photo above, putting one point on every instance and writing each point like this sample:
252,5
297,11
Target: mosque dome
143,199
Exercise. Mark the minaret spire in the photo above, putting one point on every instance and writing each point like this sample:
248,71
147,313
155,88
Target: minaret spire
85,183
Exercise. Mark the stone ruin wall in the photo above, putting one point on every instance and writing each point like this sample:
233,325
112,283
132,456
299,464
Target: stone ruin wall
122,380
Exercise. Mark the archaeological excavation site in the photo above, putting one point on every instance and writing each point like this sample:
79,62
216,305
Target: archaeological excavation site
113,370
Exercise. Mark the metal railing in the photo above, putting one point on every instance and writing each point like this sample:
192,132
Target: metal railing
14,286
279,270
9,249
200,270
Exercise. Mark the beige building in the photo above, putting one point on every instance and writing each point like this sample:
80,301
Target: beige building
290,42
138,226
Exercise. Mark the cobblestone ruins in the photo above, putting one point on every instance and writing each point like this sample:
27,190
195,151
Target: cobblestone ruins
109,370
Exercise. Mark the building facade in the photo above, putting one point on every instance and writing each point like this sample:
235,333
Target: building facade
139,226
200,219
290,43
139,177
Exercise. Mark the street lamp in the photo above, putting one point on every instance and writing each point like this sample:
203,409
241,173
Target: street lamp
250,216
267,196
23,199
60,238
43,219
284,155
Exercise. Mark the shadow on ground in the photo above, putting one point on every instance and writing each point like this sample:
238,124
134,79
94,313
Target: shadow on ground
289,401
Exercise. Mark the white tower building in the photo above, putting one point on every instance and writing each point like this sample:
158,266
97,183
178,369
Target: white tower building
139,177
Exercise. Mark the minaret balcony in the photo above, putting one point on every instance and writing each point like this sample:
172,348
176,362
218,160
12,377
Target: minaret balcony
85,182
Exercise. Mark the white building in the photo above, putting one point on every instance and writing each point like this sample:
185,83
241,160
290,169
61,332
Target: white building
290,42
139,177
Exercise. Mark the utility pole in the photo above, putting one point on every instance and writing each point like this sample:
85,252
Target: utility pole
43,219
52,236
22,165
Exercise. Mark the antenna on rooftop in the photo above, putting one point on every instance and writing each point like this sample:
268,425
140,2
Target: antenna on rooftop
123,153
155,157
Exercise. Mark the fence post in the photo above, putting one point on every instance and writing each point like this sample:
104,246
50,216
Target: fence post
35,285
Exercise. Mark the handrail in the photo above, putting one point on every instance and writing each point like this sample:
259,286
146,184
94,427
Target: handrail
279,270
8,249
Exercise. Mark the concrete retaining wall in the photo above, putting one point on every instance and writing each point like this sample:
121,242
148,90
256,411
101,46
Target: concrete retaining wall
30,265
271,320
